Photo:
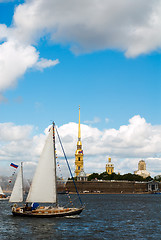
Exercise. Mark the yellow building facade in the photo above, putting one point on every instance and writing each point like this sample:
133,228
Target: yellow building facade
79,151
109,167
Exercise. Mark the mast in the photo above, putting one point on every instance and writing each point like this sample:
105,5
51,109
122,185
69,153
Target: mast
22,178
55,163
17,192
68,166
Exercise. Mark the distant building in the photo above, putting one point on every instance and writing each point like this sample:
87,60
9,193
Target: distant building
109,166
153,186
142,169
82,176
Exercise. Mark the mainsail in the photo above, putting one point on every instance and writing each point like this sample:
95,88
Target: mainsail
43,187
17,192
1,192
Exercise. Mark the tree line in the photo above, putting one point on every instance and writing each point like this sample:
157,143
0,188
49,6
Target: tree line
114,176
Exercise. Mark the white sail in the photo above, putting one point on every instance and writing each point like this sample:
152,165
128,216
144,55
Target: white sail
1,192
17,192
43,187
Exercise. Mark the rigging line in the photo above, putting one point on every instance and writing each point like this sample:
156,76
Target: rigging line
66,190
68,165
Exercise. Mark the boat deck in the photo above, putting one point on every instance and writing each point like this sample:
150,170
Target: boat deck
46,212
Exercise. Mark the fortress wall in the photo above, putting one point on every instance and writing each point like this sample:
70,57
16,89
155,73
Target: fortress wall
108,186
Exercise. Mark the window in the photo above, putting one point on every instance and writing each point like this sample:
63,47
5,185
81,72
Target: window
78,158
78,168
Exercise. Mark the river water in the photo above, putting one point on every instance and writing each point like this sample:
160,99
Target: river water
106,216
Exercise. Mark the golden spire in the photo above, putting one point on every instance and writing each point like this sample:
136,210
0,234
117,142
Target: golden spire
79,131
79,152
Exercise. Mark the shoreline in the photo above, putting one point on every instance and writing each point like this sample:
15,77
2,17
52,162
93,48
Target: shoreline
112,193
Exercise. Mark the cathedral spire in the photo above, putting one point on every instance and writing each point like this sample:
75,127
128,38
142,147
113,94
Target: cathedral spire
79,130
79,143
79,151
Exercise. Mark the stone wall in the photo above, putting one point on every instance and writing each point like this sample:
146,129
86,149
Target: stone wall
108,187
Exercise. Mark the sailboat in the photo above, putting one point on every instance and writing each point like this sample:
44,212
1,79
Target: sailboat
43,187
2,195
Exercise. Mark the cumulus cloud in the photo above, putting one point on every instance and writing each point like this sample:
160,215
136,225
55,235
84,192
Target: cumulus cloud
3,32
15,59
126,146
86,26
10,132
17,144
89,25
17,56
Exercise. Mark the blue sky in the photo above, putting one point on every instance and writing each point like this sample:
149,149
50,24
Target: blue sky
109,63
106,84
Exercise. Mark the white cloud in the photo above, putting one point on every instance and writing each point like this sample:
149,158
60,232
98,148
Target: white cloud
44,63
132,142
89,25
126,146
3,32
95,120
10,132
15,59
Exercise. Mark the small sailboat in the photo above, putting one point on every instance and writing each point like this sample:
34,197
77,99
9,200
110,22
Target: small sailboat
2,195
43,188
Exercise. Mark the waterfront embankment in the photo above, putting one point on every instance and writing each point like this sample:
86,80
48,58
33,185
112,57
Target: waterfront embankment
109,187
